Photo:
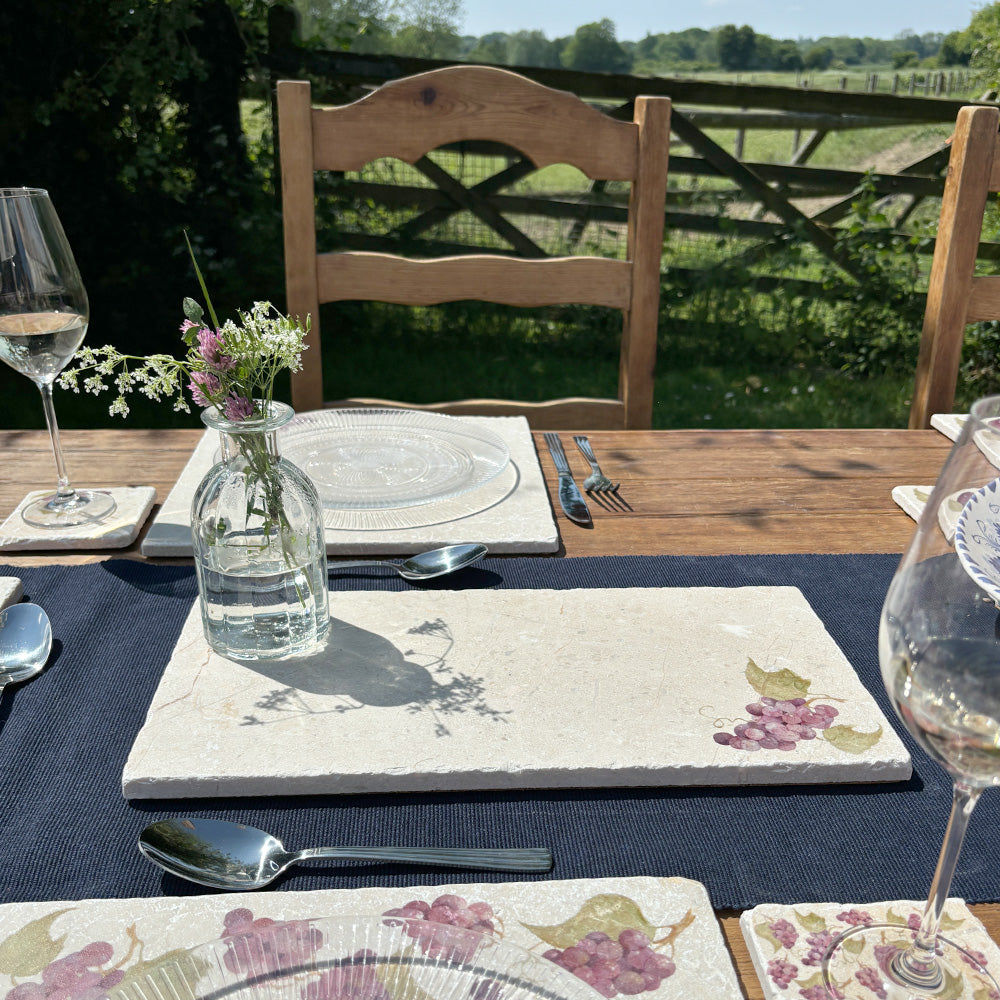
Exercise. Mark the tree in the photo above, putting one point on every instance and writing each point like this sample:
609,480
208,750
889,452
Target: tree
983,34
426,28
956,49
129,115
736,46
531,48
594,48
818,57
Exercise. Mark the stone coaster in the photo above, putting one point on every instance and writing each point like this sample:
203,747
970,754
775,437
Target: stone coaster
116,531
449,690
949,424
674,914
11,590
511,513
787,944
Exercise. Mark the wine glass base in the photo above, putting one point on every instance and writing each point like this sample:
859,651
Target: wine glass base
860,964
82,507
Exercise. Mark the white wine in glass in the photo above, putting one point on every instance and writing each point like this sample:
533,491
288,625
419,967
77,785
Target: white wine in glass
43,320
939,651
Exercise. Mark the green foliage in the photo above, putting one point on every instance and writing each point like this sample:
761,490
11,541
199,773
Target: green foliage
736,47
129,115
594,48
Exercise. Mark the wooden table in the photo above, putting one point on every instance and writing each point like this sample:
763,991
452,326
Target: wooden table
702,492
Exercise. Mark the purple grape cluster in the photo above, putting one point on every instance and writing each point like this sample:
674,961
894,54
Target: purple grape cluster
265,944
77,976
820,992
628,965
778,725
871,979
818,945
353,980
440,927
856,918
784,932
781,973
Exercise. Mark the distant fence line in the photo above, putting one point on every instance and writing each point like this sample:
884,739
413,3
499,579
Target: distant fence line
809,115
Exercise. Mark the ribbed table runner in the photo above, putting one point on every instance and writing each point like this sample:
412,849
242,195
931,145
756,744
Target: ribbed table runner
67,833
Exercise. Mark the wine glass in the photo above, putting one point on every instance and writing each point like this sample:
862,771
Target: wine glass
43,319
939,651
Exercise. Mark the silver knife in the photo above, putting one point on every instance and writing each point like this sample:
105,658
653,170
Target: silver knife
570,497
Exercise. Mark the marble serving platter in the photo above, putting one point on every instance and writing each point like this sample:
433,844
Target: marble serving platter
674,913
509,514
448,690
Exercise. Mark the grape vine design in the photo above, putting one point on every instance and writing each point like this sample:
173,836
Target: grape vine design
608,944
799,942
785,714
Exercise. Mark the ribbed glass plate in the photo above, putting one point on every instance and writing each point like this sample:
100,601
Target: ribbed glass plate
356,958
380,459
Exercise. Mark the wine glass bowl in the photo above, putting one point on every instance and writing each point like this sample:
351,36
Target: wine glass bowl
44,314
939,653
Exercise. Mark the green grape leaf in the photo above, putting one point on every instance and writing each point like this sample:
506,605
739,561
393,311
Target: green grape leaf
183,985
922,496
853,945
811,922
399,982
815,979
849,740
764,930
782,685
607,912
892,917
954,986
950,923
28,950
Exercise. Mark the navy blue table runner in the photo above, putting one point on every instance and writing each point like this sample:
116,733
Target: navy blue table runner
67,833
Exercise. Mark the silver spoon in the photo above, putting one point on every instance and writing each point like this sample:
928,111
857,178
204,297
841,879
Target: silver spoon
25,643
425,565
226,855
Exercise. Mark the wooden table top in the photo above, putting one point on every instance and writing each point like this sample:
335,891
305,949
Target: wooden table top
687,492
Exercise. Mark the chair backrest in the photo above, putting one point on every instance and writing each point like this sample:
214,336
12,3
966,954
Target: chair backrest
408,118
956,296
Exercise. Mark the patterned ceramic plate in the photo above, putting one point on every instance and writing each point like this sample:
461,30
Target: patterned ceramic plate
977,538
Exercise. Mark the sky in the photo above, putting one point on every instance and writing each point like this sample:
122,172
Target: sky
633,19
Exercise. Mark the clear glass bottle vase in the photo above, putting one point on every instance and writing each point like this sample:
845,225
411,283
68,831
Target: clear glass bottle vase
259,546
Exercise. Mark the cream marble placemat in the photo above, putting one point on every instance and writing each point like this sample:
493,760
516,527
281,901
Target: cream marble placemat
11,590
675,914
787,944
116,531
448,690
512,513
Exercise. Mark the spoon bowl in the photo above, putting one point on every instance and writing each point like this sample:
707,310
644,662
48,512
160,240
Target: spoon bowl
425,565
25,643
231,856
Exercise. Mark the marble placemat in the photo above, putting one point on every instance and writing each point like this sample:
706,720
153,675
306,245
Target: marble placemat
787,943
128,935
11,590
949,424
451,690
511,513
116,531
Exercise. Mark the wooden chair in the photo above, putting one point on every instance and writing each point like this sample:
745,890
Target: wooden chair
956,296
409,117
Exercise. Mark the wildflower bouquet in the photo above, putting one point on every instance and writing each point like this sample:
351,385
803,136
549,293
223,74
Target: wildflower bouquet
257,527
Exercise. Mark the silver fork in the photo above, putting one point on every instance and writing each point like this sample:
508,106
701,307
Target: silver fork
596,481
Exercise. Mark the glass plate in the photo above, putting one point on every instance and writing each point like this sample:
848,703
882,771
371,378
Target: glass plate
370,459
356,958
977,538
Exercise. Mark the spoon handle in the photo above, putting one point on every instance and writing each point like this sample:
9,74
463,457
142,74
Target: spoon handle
354,563
528,859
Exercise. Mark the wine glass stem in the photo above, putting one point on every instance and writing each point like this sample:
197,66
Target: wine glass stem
918,960
64,491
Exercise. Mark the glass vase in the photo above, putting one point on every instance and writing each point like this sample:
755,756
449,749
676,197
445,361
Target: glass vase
259,545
